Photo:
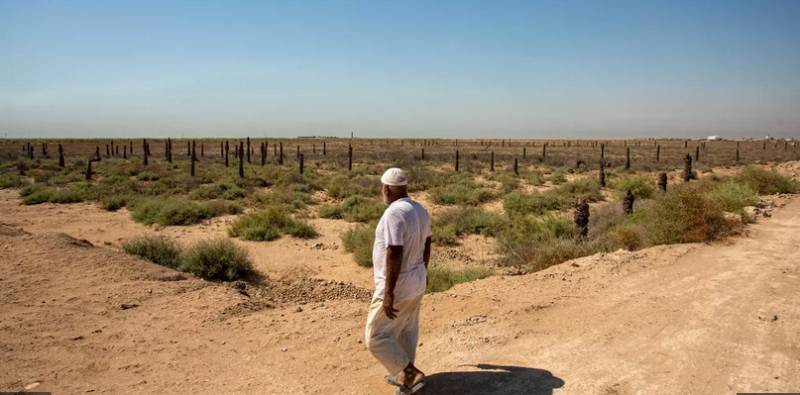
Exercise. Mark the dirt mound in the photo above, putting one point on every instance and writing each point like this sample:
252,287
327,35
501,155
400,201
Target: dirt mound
8,230
300,291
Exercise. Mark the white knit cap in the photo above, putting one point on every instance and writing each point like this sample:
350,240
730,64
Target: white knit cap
394,177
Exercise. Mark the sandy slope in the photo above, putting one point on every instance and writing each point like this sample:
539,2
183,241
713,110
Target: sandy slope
679,319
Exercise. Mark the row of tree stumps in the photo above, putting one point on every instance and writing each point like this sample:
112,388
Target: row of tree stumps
113,150
581,216
627,165
242,152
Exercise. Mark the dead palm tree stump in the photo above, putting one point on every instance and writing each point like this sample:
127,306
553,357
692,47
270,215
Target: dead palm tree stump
627,203
60,156
241,160
662,181
687,168
227,153
89,170
193,158
602,174
582,219
627,158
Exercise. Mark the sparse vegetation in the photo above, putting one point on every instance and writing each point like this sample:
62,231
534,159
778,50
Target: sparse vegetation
54,195
172,211
533,242
642,187
114,203
157,249
684,214
359,240
219,207
441,278
217,259
461,190
10,180
355,208
461,221
765,182
269,224
534,230
559,198
734,197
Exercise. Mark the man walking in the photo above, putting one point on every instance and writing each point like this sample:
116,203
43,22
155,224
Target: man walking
400,259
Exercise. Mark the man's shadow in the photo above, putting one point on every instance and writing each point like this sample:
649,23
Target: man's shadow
493,379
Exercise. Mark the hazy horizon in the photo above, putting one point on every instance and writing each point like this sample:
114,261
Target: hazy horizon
566,69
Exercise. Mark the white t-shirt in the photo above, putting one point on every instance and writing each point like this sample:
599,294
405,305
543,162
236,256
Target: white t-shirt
404,223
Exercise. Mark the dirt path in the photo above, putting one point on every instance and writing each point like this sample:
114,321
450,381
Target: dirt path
705,319
679,319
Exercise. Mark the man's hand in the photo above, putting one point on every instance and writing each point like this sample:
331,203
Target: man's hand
388,306
394,259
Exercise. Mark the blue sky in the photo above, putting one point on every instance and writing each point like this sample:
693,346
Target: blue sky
538,69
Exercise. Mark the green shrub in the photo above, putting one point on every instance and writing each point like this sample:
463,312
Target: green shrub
147,176
262,225
218,190
640,186
37,196
734,197
10,180
343,186
357,208
444,233
218,259
535,177
67,195
65,178
765,182
269,224
285,196
520,203
460,190
557,177
534,242
113,203
583,188
441,278
157,249
30,190
559,198
508,181
301,230
359,240
53,195
421,178
630,236
470,220
684,214
331,211
223,207
171,211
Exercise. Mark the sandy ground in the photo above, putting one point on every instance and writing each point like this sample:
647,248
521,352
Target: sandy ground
78,317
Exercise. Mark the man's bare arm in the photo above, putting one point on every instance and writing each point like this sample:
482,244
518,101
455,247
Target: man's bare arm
394,262
426,255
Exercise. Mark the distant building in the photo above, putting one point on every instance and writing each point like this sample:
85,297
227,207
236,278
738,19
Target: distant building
713,138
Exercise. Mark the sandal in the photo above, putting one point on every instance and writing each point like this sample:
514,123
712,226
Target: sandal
403,390
392,380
